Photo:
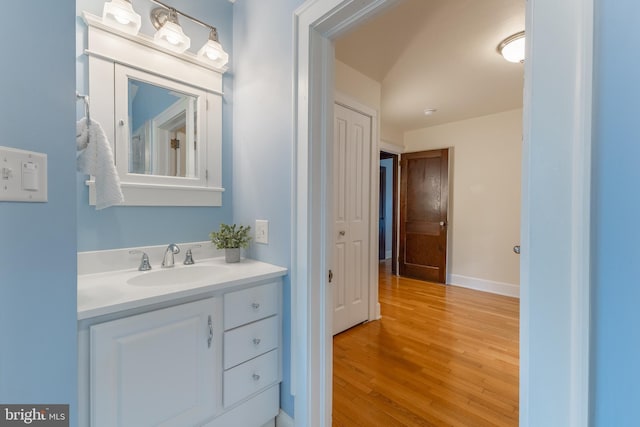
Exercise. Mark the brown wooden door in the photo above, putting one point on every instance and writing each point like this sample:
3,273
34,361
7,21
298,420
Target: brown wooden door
424,196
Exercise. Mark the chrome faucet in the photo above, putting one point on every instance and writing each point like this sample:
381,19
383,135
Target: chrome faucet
167,260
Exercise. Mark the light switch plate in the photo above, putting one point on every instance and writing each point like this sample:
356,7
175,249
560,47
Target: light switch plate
23,175
262,231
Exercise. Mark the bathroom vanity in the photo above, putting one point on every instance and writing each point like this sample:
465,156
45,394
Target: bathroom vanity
194,345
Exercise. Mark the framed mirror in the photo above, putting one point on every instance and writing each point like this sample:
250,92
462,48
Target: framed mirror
162,112
158,125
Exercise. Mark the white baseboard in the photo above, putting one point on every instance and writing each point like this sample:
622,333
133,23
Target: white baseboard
284,420
499,288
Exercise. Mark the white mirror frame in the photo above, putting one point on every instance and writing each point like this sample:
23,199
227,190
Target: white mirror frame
113,56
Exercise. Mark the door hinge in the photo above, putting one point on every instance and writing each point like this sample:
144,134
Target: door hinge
330,276
206,174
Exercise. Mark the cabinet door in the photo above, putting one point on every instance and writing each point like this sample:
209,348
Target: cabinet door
157,369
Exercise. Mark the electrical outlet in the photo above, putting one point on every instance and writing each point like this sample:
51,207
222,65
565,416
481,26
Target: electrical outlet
262,231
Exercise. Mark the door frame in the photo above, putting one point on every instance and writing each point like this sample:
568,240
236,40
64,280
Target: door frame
351,104
559,66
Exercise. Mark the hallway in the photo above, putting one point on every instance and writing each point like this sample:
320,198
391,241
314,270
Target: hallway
440,356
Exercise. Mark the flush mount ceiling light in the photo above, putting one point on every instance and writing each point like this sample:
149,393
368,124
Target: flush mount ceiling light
169,34
120,14
212,50
429,111
512,48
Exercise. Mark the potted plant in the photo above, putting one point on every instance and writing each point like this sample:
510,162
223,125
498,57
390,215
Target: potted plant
231,238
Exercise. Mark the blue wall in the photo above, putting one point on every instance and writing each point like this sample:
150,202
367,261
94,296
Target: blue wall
263,136
149,101
122,226
388,208
38,250
616,266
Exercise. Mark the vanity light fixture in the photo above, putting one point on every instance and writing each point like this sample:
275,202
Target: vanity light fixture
512,48
212,50
169,34
120,14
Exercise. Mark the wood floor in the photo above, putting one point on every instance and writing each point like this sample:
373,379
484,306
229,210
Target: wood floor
440,356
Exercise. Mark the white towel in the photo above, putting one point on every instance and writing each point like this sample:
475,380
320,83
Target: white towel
95,157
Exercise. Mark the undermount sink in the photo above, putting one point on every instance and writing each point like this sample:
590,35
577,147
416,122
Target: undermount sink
177,276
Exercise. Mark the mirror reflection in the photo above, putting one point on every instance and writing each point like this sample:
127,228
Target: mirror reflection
163,138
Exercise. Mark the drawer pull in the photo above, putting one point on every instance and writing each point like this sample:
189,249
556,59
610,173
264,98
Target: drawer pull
255,306
256,341
256,377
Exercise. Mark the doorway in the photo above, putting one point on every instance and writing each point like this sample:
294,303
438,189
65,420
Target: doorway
566,322
389,203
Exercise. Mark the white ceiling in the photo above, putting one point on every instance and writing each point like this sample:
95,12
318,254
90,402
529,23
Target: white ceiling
438,54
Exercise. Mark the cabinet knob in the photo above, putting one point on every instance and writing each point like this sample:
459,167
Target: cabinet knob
255,306
256,341
256,377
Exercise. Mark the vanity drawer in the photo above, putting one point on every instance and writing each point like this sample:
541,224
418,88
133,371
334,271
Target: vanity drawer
249,305
250,377
249,341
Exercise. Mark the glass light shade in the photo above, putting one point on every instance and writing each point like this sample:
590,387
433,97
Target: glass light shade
120,14
512,49
171,36
212,51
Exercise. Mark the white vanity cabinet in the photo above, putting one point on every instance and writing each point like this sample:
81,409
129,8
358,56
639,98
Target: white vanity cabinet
212,359
156,368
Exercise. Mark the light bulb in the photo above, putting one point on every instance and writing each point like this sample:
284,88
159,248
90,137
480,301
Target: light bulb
213,54
171,36
122,19
172,39
120,14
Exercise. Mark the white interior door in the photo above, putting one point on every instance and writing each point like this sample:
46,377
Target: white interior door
351,192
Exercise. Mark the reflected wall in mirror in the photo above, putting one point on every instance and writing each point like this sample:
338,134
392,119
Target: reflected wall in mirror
163,139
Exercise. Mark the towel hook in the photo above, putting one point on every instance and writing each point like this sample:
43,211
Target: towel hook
85,99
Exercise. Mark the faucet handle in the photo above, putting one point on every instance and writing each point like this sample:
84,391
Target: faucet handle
188,259
144,261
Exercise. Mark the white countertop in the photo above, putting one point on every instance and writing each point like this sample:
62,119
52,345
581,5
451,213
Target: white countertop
108,292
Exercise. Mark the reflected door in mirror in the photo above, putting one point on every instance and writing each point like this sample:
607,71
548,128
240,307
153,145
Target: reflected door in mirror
163,130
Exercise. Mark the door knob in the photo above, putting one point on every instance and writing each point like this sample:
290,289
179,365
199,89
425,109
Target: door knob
342,232
442,223
516,249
